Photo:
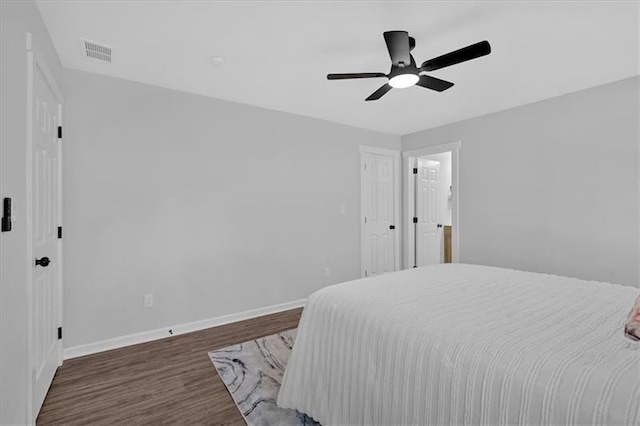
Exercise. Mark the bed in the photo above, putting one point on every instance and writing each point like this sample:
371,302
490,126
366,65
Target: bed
464,344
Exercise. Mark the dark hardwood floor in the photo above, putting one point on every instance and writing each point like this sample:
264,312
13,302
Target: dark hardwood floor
169,381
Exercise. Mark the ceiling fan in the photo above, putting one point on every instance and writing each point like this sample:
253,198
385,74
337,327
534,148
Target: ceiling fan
404,72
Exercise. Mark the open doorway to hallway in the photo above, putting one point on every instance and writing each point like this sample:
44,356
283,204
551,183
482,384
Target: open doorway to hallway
431,201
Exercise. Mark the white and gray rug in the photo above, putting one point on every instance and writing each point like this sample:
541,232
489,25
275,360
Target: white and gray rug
252,372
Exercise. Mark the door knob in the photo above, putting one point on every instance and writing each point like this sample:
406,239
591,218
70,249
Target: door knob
439,225
44,262
392,227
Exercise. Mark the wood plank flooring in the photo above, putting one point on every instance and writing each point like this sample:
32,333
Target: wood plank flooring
169,381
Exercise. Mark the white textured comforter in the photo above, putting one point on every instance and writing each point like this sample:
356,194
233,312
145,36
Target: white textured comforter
464,344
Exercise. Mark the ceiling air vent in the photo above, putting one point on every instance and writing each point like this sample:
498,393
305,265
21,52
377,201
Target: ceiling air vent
96,50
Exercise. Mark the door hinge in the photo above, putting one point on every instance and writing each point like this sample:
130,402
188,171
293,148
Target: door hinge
59,333
365,166
365,219
415,170
6,215
366,274
59,232
59,132
415,220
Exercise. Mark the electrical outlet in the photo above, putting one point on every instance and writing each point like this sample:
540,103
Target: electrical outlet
148,300
327,271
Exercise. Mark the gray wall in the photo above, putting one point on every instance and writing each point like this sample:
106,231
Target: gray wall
212,206
16,20
551,186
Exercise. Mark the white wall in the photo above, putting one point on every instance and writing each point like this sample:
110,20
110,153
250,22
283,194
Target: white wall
212,206
17,18
551,186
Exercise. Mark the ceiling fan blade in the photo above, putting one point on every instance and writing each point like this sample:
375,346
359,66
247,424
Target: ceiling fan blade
461,55
399,46
434,83
379,93
345,76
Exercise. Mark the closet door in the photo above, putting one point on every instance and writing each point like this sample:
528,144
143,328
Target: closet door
378,211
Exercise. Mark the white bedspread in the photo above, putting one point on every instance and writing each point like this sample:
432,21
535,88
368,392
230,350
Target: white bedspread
464,344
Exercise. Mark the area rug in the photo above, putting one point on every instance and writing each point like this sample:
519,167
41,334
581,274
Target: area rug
252,372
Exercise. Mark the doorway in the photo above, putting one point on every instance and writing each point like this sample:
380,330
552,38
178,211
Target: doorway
380,211
431,202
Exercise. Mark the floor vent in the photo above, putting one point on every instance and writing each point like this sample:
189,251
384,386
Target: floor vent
96,50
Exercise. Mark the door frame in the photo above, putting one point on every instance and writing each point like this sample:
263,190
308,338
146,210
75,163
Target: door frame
409,159
395,154
36,60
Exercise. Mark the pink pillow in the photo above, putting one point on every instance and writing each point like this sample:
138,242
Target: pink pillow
632,327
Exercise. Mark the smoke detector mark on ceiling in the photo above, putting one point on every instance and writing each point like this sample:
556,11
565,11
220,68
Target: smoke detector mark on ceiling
96,50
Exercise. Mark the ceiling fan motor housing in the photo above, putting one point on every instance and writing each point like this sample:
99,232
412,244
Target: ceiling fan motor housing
399,70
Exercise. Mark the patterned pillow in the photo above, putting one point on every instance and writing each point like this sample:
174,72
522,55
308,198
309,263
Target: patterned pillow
632,327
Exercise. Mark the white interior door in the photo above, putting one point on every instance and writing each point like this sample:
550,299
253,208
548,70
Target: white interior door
378,211
429,226
45,192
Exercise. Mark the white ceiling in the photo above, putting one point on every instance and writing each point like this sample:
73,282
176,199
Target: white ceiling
277,54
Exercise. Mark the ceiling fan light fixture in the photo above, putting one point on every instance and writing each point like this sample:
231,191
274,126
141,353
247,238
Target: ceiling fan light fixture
404,71
402,81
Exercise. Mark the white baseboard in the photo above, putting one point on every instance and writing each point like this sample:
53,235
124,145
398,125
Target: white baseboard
161,333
